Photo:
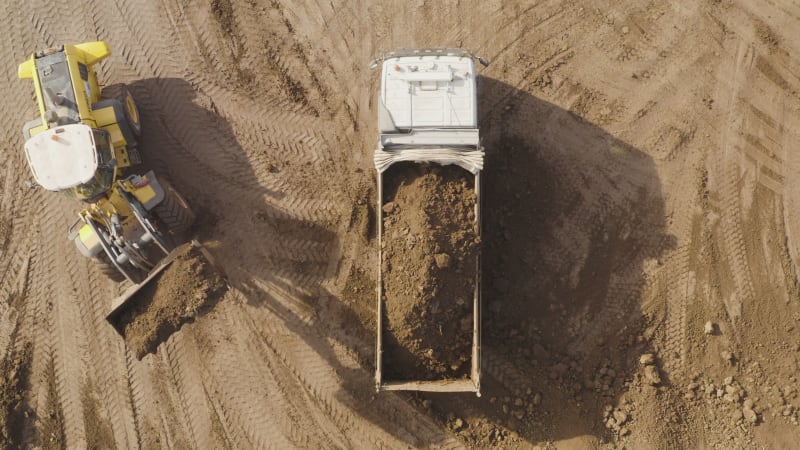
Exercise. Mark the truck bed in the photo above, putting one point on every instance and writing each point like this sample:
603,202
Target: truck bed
429,304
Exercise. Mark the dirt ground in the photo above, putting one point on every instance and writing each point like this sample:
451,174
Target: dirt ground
640,242
430,247
188,287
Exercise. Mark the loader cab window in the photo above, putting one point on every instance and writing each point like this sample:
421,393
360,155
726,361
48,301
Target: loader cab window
102,145
103,175
57,92
84,71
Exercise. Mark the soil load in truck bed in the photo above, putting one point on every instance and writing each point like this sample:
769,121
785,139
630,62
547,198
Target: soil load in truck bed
429,264
183,290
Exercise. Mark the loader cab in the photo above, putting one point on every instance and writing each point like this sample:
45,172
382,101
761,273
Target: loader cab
73,159
65,83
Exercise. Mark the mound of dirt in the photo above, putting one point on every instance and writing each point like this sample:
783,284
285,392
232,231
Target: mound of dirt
186,288
430,247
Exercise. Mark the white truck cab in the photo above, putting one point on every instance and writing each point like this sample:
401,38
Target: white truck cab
429,91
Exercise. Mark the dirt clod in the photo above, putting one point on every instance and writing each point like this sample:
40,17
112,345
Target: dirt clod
182,291
652,376
647,359
429,263
749,415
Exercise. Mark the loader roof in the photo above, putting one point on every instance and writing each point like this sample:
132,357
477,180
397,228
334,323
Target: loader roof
62,157
429,91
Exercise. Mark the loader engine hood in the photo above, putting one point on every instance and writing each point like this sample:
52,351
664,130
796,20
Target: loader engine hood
63,157
428,91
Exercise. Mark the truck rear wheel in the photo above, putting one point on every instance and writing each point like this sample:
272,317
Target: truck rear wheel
174,211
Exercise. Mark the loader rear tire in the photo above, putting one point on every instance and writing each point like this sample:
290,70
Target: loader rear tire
131,112
174,211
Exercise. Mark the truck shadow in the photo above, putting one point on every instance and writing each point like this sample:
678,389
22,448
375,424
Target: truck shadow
571,218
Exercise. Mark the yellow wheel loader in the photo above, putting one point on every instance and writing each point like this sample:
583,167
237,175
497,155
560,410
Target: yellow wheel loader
85,147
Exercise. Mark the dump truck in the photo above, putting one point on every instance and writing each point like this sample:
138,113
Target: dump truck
429,160
85,146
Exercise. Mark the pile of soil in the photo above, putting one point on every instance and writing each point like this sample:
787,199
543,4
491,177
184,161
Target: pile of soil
430,247
188,287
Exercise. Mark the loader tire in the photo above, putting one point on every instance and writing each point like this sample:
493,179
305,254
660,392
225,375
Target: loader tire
120,93
131,112
174,211
108,269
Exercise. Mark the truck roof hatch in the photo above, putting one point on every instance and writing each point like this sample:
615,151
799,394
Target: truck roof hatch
430,91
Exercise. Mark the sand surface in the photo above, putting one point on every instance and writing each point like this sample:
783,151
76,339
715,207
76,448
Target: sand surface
639,183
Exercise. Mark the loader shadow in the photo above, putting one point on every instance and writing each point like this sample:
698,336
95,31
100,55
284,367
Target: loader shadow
278,260
571,215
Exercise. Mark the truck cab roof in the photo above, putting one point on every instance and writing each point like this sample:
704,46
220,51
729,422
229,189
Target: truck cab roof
428,91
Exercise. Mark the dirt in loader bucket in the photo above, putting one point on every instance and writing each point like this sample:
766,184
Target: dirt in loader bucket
186,288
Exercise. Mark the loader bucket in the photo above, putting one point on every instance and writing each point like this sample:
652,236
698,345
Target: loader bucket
124,301
181,286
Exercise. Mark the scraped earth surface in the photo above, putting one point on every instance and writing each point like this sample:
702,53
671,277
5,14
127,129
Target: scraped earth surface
640,182
429,261
188,287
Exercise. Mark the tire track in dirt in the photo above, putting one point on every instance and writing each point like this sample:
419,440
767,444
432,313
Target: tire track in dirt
151,378
284,53
106,353
242,416
138,393
334,49
214,144
72,308
654,103
189,384
245,414
240,42
680,284
62,319
305,425
730,177
244,399
199,148
15,204
144,53
41,396
676,281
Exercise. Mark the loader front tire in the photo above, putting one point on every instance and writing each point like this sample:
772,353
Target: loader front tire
108,269
174,210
